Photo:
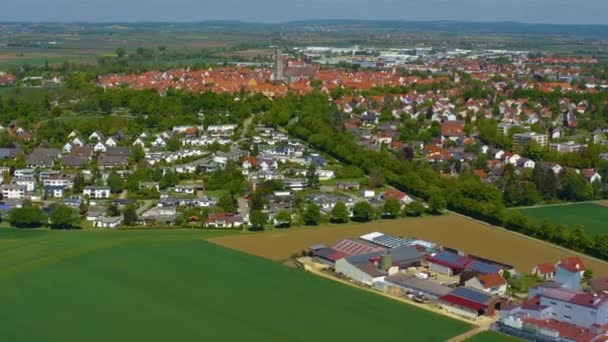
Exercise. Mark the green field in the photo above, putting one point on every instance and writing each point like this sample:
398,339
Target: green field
174,286
492,336
591,216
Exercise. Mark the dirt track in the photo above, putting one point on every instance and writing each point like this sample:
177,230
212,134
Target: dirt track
452,230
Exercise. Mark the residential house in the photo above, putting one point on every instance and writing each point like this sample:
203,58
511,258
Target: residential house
13,191
544,271
224,220
402,197
99,147
492,283
569,272
51,191
107,222
97,192
98,136
591,175
111,142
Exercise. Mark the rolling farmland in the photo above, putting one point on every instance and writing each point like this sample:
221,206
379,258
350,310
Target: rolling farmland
174,286
590,216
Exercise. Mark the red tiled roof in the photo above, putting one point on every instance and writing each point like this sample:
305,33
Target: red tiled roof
545,268
491,280
572,264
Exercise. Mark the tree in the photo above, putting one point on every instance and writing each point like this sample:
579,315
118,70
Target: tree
83,209
130,215
312,176
339,213
312,215
115,182
392,208
121,52
137,154
63,217
255,151
415,209
226,202
363,212
283,219
78,183
28,216
112,211
437,204
258,220
257,201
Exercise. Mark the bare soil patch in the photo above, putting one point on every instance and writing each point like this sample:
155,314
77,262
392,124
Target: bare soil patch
451,230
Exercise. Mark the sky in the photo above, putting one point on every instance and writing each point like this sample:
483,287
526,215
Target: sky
272,11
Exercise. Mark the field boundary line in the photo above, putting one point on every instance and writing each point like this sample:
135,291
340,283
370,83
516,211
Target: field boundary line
546,243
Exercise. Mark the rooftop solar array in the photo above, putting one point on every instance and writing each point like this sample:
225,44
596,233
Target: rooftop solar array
385,240
354,247
472,295
451,258
483,267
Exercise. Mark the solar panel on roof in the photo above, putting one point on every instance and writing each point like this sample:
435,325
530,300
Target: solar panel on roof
389,241
482,267
472,295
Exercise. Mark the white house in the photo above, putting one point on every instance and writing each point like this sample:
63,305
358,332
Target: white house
159,142
96,136
96,192
13,191
99,147
491,283
67,148
111,142
28,183
107,222
325,174
140,142
78,142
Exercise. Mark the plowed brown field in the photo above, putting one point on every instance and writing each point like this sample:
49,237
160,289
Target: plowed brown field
450,230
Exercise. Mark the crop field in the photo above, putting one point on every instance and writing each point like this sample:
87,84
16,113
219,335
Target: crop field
174,286
492,336
450,230
591,216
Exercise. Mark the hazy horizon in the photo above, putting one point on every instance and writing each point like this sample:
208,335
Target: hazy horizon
277,11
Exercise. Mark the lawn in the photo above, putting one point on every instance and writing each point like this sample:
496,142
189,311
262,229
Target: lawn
591,216
174,286
492,336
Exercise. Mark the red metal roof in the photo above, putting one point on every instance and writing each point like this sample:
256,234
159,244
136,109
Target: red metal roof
463,302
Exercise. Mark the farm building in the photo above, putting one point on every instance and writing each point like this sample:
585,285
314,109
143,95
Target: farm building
421,287
448,263
357,246
360,269
470,303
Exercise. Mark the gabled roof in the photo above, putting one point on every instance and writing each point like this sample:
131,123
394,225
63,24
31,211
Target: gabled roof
545,268
451,260
483,267
491,280
572,264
